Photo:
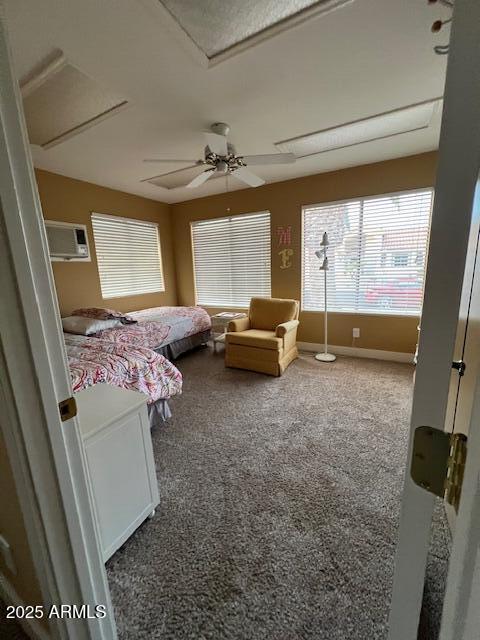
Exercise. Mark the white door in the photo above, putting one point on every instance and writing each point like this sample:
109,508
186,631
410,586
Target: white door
46,454
455,207
464,379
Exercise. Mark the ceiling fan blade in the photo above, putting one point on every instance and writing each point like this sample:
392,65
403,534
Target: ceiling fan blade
270,158
171,173
248,177
217,143
199,180
169,160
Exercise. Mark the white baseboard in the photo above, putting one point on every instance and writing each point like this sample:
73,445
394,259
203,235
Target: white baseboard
357,352
32,628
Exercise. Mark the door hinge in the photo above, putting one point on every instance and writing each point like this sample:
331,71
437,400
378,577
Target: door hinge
460,366
438,462
67,409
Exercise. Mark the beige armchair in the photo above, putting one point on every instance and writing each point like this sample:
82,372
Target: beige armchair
265,341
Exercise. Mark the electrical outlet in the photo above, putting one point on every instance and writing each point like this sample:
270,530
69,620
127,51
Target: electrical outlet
7,553
356,332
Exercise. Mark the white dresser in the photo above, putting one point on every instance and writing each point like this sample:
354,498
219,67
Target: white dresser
116,435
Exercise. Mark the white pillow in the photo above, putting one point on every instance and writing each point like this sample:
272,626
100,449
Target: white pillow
86,326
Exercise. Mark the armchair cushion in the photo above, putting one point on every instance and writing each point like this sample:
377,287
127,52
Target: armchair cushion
256,338
268,313
239,324
285,327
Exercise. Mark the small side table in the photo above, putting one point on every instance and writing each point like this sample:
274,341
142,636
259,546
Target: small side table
219,325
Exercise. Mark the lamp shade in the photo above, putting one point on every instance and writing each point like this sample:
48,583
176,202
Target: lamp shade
324,266
324,242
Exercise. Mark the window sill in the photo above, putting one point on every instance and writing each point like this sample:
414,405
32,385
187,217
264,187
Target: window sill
363,313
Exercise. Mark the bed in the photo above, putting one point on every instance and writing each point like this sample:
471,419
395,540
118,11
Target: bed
170,331
94,361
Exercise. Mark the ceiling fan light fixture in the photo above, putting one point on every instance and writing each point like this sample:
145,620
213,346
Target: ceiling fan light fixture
222,167
220,159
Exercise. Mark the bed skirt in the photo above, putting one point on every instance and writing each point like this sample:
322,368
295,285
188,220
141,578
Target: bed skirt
176,348
158,412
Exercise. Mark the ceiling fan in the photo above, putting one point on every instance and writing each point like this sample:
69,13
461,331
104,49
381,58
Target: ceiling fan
221,159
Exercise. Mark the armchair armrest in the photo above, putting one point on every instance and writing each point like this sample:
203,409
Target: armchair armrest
239,324
285,327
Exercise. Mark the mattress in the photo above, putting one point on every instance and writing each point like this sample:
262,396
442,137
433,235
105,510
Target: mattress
159,326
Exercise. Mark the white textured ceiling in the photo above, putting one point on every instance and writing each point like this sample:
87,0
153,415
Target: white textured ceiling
366,58
217,25
64,102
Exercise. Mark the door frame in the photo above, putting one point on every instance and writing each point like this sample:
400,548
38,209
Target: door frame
457,174
46,454
461,613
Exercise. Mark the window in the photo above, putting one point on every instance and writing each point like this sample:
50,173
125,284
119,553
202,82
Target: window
401,259
232,259
376,254
128,256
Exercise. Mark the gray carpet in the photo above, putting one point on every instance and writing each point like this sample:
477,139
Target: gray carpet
279,506
9,629
435,575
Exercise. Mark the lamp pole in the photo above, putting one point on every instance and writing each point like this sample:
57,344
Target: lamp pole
325,341
322,254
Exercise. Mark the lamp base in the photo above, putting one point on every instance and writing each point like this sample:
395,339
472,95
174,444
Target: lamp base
325,357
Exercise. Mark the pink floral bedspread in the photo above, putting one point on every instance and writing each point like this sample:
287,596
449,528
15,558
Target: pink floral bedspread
159,326
94,361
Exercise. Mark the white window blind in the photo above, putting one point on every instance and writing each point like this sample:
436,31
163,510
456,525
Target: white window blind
128,256
232,259
376,256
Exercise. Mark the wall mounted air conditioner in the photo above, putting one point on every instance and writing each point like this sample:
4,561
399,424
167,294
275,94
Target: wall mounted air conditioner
67,241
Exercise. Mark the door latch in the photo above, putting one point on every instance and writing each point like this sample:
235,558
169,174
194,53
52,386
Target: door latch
460,366
67,409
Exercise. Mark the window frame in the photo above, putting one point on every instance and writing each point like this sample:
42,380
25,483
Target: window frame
160,253
234,215
345,201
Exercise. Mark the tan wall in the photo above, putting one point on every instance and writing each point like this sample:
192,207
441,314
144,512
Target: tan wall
12,528
285,200
78,283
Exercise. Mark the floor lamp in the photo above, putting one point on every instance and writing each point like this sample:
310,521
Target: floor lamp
322,255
